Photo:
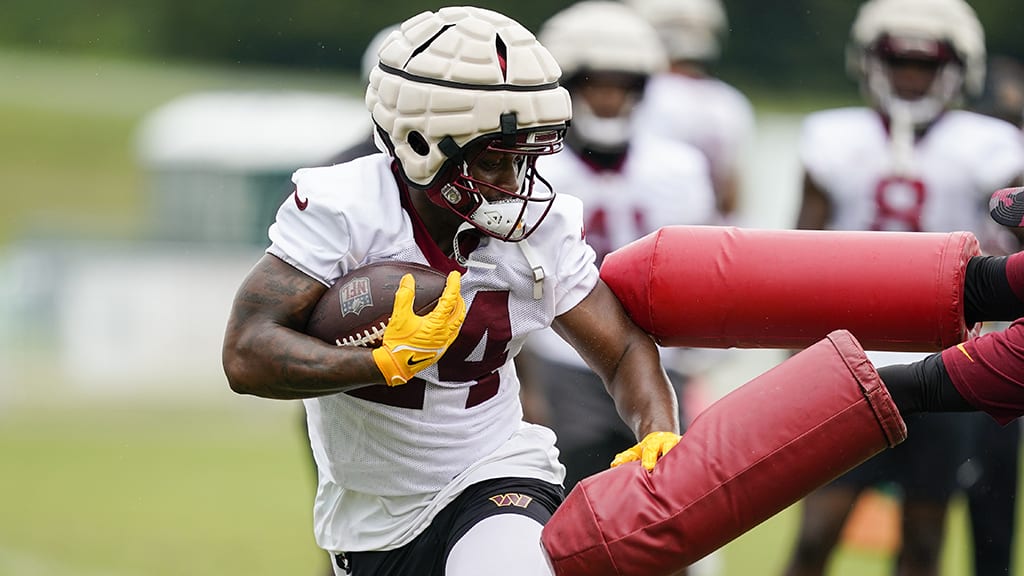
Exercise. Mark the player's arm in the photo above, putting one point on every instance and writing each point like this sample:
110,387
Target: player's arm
815,207
993,288
265,351
625,357
727,192
982,373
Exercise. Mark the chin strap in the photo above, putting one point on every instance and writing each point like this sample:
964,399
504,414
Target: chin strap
465,260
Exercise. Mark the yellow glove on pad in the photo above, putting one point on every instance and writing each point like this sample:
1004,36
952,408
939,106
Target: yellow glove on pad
412,342
649,450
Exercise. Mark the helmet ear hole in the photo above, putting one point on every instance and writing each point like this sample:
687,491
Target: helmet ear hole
418,143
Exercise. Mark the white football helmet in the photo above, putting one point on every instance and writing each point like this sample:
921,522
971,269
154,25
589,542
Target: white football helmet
453,83
603,36
691,30
945,31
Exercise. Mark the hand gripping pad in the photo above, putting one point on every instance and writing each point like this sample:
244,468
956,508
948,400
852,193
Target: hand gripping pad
748,456
723,287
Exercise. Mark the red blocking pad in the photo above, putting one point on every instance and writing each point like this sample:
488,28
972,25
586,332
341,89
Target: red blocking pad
724,287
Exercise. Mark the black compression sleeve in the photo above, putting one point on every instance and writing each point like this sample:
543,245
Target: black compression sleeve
987,292
923,386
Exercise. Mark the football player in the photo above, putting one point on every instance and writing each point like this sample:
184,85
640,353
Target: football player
688,102
630,185
425,465
909,162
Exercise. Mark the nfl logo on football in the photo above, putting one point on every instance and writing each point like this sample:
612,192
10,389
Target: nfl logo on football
355,295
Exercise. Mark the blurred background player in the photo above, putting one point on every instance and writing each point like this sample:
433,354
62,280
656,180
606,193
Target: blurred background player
910,162
631,184
688,103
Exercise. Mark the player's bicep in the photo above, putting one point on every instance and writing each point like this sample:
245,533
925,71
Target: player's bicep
599,329
275,292
815,207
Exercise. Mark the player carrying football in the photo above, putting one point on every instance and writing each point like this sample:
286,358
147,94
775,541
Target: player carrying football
427,467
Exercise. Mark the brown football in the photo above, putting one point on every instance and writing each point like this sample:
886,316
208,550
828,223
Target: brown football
355,310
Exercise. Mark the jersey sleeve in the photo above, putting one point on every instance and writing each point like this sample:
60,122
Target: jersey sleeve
339,217
988,371
735,134
999,154
310,233
676,183
831,141
575,269
813,147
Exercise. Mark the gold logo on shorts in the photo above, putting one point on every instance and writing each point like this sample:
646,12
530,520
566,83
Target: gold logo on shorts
511,499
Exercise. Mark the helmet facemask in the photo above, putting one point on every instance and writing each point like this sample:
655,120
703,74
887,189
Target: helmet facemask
944,91
493,210
608,129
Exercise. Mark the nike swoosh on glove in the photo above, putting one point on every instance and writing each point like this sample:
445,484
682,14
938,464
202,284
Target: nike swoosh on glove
649,450
412,342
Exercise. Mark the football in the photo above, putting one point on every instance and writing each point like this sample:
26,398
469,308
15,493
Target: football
356,308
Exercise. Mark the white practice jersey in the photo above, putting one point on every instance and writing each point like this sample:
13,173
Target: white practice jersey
390,458
707,113
953,170
661,183
944,187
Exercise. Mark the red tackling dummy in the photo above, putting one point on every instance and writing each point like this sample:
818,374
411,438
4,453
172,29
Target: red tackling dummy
747,457
723,287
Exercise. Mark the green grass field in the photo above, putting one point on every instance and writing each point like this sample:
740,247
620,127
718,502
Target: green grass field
149,492
97,487
91,488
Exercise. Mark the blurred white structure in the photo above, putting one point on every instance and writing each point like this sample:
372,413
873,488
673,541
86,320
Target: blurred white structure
219,163
147,319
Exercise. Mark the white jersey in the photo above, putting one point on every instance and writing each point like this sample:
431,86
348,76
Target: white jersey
951,173
390,458
954,168
707,113
661,183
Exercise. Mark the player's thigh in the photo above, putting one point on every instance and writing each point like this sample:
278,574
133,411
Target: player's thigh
495,526
502,545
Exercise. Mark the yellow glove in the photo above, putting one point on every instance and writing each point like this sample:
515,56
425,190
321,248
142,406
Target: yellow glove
412,342
649,450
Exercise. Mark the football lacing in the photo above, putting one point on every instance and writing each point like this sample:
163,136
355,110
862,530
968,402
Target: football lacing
367,338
